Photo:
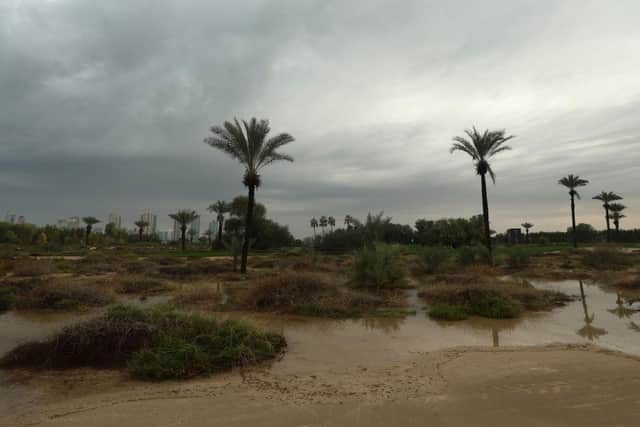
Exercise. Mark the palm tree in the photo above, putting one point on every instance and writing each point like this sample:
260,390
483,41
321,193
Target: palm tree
253,150
324,221
332,222
90,221
220,208
348,221
482,147
616,215
527,226
606,197
572,182
184,218
208,234
314,224
141,224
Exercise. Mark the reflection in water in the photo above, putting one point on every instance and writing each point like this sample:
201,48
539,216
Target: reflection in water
588,330
384,324
621,311
634,326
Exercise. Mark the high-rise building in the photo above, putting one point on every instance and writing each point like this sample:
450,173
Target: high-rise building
152,220
195,226
10,218
70,223
21,220
115,219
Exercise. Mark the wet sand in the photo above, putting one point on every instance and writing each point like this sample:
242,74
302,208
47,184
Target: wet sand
550,385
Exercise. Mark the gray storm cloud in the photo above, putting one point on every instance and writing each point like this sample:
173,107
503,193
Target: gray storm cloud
104,105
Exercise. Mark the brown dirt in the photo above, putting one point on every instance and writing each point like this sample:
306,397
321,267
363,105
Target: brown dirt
551,386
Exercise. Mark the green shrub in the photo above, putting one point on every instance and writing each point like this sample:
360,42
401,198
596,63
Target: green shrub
376,266
468,255
517,258
432,258
495,307
7,297
606,257
448,312
154,344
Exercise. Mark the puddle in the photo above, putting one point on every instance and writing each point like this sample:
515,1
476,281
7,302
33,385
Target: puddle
601,317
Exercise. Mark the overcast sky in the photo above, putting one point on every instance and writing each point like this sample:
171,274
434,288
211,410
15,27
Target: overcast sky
104,106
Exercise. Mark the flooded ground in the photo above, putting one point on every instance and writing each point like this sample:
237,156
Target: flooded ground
326,347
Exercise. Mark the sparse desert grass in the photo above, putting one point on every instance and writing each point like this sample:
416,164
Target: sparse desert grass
33,267
489,298
62,294
138,284
310,294
198,294
607,258
194,269
154,344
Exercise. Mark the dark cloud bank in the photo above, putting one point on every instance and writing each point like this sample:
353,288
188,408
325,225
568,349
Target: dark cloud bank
104,105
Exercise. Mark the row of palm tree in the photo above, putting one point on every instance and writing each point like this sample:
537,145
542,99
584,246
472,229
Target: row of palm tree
611,210
323,222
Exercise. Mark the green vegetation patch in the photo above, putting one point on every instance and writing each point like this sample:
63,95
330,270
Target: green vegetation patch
377,266
448,312
607,258
154,344
432,258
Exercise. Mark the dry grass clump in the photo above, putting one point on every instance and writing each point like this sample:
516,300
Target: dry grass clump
194,269
201,295
33,267
309,294
59,294
138,284
97,264
493,299
607,258
154,344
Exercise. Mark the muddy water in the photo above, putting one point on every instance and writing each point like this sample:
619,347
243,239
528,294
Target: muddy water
601,317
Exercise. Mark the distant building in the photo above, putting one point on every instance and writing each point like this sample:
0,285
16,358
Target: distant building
152,220
70,223
213,227
10,218
165,235
195,226
514,236
21,220
115,219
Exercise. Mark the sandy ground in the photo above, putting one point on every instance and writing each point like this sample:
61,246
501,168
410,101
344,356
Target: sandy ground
535,386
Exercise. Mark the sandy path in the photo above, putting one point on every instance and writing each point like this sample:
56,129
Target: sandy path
553,385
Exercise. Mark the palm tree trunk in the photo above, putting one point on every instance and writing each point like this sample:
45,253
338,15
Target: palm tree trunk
140,234
220,222
527,232
184,232
573,221
485,217
606,213
86,236
247,229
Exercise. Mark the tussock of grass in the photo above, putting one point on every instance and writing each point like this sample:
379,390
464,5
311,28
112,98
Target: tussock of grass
448,312
309,294
198,295
493,299
432,259
58,294
139,285
154,344
193,269
606,258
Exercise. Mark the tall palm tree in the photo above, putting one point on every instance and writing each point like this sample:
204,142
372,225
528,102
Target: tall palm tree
527,226
90,221
184,218
332,222
606,197
141,224
220,208
348,221
324,221
248,144
481,147
572,182
616,215
314,224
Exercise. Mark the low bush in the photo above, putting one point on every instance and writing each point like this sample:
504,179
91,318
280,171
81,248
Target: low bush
60,295
139,285
448,312
7,297
308,294
376,266
493,299
198,295
193,269
432,258
517,258
33,267
469,255
154,344
606,258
